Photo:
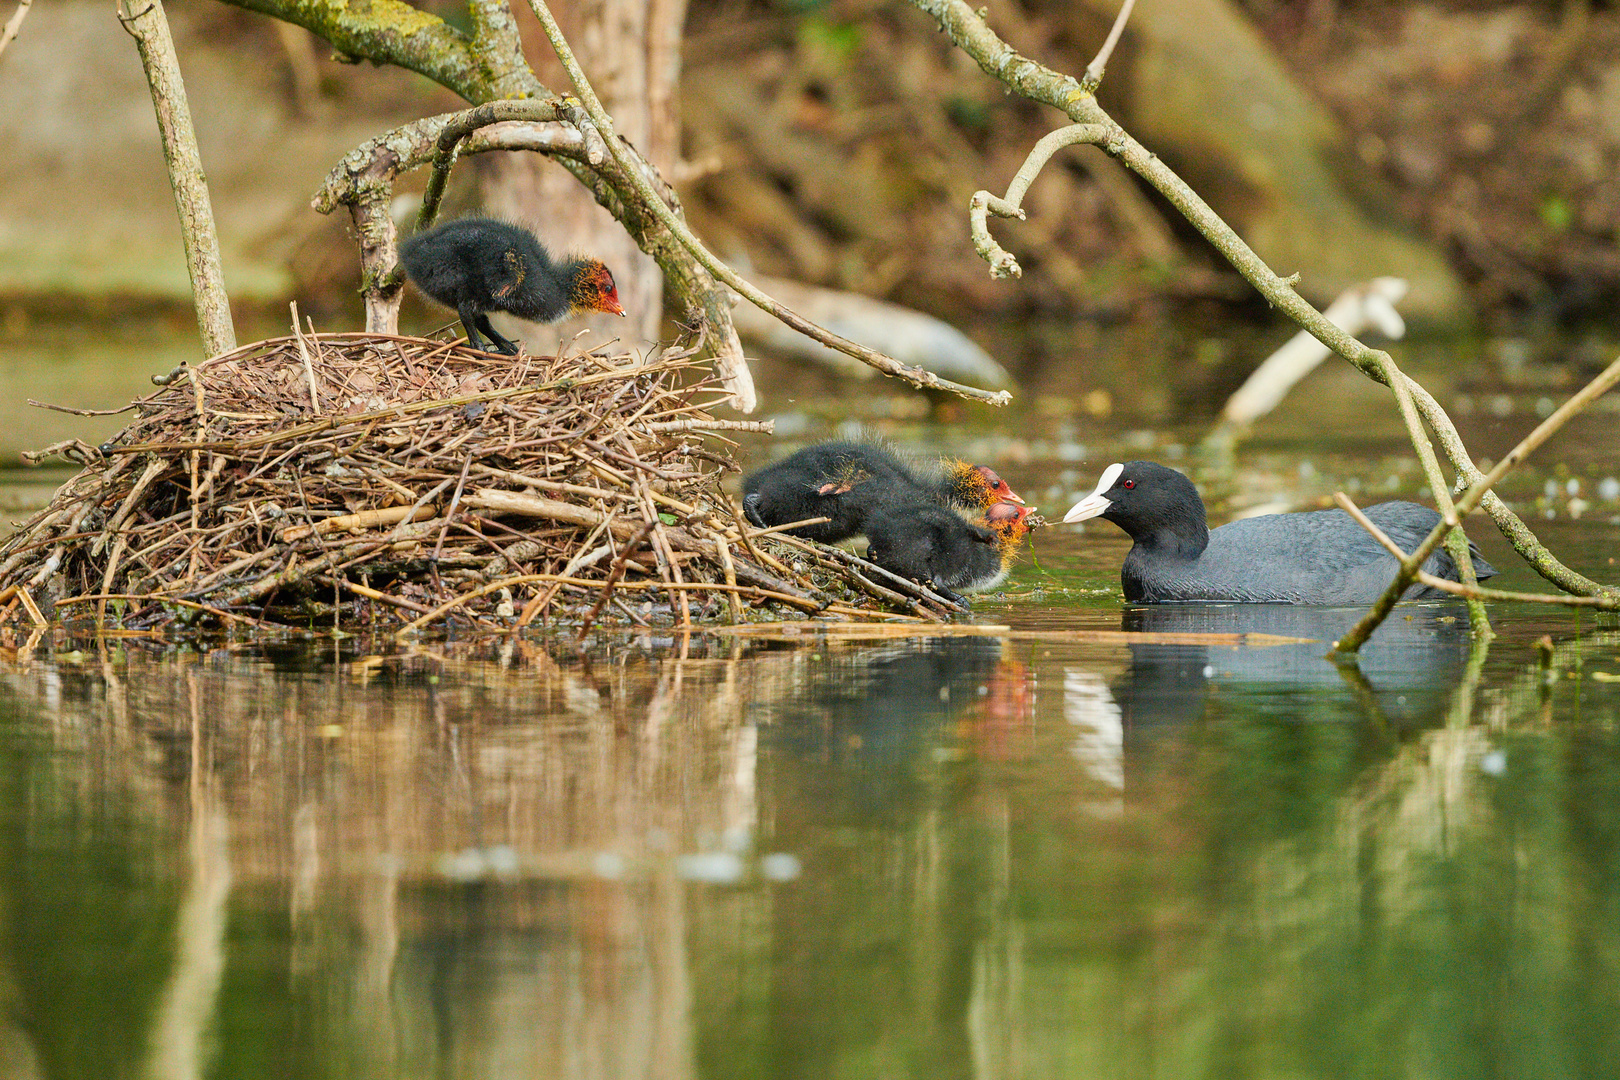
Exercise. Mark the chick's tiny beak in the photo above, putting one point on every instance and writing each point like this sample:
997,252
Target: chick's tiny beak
1087,508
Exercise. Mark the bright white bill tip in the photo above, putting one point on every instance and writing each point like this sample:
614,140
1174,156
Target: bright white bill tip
1094,505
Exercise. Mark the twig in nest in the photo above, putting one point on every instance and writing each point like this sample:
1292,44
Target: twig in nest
613,578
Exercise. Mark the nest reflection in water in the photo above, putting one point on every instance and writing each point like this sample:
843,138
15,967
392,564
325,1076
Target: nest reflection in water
358,479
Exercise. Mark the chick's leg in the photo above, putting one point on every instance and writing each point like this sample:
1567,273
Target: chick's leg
501,344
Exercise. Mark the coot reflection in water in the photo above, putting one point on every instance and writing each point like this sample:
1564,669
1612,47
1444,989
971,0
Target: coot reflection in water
1407,671
874,712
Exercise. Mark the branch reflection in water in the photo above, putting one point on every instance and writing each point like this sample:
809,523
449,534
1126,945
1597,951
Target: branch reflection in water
963,856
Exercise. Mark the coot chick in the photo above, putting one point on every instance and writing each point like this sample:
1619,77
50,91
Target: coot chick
944,550
1317,557
848,481
970,487
844,481
478,265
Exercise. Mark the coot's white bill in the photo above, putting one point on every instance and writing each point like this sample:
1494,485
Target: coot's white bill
1094,505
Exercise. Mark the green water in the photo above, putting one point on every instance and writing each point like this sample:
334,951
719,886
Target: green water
964,857
996,857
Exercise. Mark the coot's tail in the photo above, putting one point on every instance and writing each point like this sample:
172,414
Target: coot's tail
1408,523
1441,565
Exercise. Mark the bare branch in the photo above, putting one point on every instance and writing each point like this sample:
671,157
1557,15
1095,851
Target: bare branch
1002,264
1450,517
150,29
464,124
1473,592
14,23
1094,70
593,106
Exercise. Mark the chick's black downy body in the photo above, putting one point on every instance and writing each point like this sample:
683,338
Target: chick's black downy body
843,481
478,265
849,481
937,547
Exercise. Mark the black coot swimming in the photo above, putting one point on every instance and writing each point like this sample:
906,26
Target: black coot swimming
945,551
1317,557
849,481
478,265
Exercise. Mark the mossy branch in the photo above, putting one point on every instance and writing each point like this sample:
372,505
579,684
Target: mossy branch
393,32
149,26
1076,100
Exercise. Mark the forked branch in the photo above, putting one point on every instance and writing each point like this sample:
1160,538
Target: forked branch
1607,602
884,363
1076,99
1412,565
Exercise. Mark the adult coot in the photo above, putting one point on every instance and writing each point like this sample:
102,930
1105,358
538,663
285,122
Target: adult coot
478,265
1319,557
945,551
849,481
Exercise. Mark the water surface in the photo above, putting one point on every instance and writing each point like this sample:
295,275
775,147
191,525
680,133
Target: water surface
1012,855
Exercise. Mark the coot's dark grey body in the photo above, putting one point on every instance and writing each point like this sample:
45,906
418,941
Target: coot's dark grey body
478,265
937,547
1319,557
850,481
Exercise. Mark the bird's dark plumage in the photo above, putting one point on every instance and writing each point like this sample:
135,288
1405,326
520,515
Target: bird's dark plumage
478,265
942,549
1317,557
849,481
844,481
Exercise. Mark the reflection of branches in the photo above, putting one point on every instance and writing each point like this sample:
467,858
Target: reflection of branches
180,1026
1075,99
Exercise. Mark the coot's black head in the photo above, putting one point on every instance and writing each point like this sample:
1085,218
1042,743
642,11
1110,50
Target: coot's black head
1157,506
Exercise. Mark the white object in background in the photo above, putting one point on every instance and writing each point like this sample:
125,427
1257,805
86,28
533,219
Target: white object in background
1359,307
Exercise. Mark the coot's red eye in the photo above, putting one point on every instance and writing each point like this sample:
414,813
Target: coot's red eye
1129,484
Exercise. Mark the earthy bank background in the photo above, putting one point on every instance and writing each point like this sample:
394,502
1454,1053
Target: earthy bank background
1472,147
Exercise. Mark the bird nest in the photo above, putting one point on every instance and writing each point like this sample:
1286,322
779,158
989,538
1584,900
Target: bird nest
365,480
